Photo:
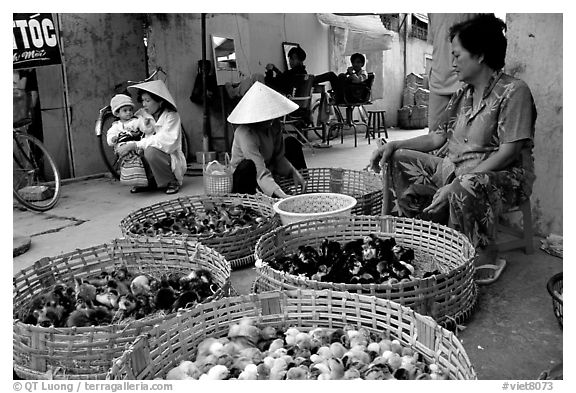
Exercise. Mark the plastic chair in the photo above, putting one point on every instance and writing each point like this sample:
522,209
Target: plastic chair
355,95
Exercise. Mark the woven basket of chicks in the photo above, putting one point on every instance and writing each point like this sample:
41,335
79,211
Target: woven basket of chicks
296,334
365,186
75,312
422,265
231,224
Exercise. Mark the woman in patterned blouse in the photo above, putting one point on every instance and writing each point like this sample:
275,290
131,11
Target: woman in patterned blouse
486,139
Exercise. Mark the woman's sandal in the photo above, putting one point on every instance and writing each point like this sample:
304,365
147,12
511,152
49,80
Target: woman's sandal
172,189
496,270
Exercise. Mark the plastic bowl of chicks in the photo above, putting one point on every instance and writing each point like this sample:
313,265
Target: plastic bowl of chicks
297,335
73,313
315,205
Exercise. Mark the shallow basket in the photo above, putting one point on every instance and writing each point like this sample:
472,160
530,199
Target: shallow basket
87,352
449,297
237,248
555,287
312,206
152,355
365,186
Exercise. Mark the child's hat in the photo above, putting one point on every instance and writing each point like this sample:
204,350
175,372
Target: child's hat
261,103
118,101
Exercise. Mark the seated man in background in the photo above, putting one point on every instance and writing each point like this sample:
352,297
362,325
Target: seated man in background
282,82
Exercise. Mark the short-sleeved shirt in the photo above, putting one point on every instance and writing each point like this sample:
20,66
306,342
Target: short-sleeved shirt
505,114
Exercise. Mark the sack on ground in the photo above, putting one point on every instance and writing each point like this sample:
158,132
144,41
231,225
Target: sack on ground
132,172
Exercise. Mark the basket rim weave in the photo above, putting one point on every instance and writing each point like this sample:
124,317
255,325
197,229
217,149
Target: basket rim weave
162,348
103,341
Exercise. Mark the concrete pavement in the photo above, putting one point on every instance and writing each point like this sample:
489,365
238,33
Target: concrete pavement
512,335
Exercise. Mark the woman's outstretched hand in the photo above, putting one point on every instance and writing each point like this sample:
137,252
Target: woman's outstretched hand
299,180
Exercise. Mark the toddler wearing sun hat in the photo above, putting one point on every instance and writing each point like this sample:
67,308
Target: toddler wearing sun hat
126,127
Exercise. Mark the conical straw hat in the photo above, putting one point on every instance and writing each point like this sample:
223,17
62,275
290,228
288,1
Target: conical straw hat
261,103
156,87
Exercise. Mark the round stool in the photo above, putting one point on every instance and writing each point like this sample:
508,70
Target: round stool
376,123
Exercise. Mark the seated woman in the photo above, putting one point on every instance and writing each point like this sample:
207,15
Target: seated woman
160,149
489,126
259,150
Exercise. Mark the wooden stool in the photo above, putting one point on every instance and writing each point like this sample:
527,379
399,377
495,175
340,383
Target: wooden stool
376,123
525,236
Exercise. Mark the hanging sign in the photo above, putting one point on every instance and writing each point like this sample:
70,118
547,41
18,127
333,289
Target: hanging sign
35,42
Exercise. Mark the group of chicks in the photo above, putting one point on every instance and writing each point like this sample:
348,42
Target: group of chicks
214,220
362,261
250,352
114,297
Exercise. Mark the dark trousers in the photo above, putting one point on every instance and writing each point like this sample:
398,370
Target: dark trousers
336,81
244,177
158,168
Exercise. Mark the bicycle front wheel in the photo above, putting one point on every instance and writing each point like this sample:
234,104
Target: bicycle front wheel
36,180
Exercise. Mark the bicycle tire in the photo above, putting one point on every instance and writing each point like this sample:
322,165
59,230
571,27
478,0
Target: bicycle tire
110,158
35,174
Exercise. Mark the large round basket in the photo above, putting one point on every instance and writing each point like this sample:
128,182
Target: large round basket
555,287
87,352
365,186
448,297
152,355
237,247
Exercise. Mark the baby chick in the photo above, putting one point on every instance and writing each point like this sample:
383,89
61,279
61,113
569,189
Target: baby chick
165,296
140,285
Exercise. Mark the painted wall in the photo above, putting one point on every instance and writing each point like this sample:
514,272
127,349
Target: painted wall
535,55
175,43
100,50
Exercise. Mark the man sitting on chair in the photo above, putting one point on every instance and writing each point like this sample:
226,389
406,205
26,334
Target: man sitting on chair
283,81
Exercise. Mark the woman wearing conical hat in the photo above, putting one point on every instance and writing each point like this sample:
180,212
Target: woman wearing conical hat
161,148
259,150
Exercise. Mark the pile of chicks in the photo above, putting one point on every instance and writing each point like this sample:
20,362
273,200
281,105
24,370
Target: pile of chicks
117,297
362,261
221,219
250,352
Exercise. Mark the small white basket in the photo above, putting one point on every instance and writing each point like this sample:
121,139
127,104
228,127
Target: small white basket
311,206
217,182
